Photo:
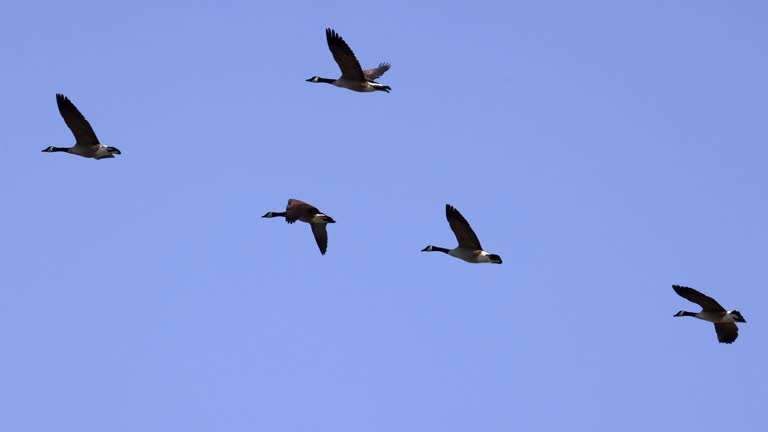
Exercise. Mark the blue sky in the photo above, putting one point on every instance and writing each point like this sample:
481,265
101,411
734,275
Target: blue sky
606,150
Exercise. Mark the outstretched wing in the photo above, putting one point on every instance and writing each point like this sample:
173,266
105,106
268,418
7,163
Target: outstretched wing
726,332
345,58
460,227
81,129
708,304
297,209
375,73
321,236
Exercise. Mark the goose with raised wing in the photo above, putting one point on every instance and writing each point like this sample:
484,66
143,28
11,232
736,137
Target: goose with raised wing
353,77
86,143
469,248
297,210
724,320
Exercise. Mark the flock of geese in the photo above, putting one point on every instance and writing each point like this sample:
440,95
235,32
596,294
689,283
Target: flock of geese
353,77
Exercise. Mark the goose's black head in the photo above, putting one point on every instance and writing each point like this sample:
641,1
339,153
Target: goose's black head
684,313
317,79
495,259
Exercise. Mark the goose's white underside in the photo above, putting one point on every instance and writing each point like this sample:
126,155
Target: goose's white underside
470,255
318,218
716,317
87,151
355,85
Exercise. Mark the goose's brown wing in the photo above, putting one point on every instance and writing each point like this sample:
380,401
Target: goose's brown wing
726,332
321,236
460,227
297,210
708,304
81,129
345,58
375,73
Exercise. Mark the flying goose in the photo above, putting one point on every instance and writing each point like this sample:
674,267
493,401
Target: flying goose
353,77
301,211
86,143
469,248
725,321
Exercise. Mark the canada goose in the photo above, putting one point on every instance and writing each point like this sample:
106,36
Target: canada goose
469,248
86,143
725,321
299,210
353,77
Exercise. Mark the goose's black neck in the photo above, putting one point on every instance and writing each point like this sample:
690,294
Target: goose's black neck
439,249
326,80
274,214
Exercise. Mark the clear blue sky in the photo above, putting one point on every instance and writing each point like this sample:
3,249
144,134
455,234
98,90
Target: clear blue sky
606,150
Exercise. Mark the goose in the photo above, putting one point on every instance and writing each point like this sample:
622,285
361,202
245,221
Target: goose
301,211
724,320
353,77
86,143
469,248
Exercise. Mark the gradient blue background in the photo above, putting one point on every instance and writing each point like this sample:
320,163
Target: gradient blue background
606,150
